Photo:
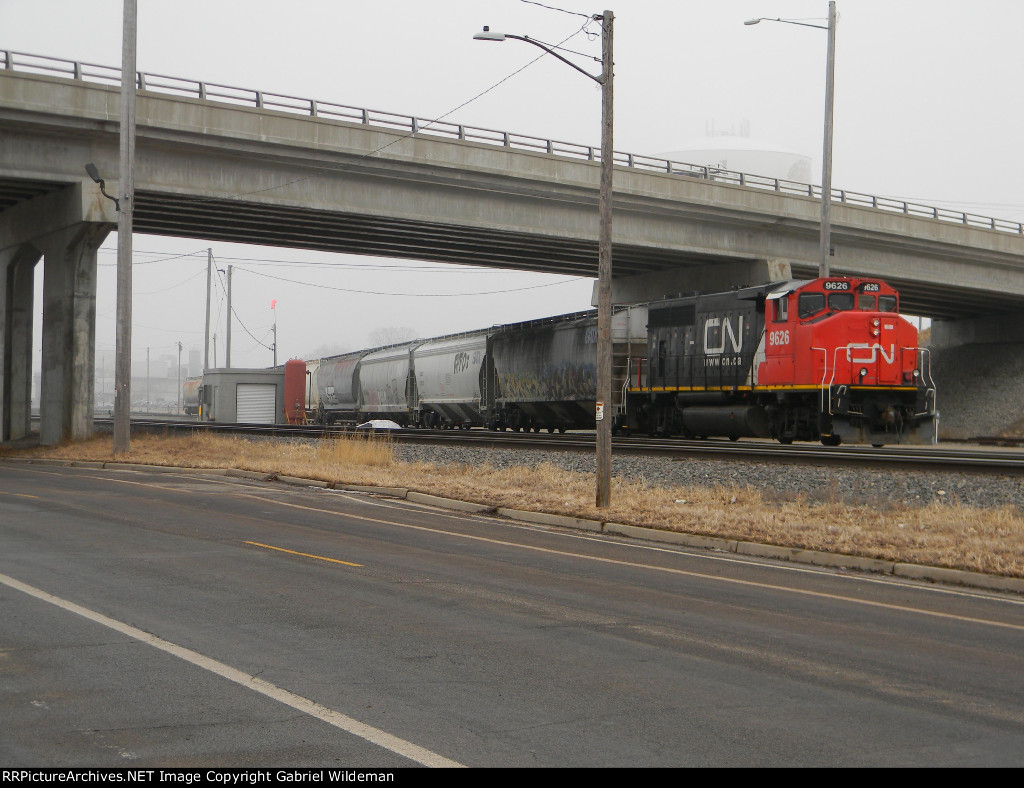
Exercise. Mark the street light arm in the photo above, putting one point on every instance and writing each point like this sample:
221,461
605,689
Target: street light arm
94,173
487,35
784,21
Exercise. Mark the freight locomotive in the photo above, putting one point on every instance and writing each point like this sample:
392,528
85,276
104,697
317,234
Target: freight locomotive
827,360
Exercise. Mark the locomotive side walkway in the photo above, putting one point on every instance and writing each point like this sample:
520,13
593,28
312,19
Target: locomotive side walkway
738,547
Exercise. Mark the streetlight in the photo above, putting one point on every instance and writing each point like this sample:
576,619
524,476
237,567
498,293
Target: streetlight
826,159
123,338
604,255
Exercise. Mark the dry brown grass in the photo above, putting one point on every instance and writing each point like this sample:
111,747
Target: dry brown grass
950,535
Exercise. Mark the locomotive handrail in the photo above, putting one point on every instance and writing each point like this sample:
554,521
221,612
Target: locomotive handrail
924,355
209,91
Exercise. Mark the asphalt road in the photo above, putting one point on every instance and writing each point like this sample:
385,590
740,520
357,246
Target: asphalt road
181,620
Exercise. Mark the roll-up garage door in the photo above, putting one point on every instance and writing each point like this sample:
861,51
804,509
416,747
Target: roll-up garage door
256,403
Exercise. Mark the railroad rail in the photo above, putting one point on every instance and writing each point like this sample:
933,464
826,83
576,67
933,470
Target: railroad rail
954,456
410,124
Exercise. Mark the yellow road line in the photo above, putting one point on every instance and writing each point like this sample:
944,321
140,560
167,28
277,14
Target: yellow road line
667,570
20,495
304,555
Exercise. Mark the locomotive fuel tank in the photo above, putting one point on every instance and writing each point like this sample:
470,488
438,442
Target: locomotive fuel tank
742,421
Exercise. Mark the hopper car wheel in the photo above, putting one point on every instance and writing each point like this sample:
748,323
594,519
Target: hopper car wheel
786,441
830,440
878,445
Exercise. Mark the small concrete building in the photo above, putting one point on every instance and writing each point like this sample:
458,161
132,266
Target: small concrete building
242,396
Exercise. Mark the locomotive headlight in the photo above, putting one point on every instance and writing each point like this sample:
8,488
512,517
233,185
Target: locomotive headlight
876,322
863,371
875,332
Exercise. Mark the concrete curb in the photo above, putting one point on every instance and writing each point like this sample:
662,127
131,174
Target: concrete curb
257,475
935,574
817,558
299,482
128,466
960,577
448,503
391,492
671,537
551,519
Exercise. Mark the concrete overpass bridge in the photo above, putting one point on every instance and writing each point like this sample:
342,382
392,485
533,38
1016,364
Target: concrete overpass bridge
228,164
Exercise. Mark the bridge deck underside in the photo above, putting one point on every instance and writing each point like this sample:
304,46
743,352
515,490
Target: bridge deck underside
290,227
268,225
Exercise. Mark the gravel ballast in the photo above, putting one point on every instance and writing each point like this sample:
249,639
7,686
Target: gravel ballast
779,481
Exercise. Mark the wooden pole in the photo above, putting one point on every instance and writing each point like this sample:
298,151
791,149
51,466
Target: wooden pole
123,346
605,410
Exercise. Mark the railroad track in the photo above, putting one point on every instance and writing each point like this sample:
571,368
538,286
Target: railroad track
982,455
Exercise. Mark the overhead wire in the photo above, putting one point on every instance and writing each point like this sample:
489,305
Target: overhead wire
321,170
220,274
321,286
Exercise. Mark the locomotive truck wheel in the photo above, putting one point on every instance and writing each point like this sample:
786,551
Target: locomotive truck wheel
830,440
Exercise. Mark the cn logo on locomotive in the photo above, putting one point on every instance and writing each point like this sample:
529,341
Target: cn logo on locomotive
735,339
875,350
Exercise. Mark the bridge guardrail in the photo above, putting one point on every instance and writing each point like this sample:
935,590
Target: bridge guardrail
209,91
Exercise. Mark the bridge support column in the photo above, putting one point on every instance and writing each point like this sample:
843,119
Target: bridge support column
995,329
699,278
65,227
67,387
17,269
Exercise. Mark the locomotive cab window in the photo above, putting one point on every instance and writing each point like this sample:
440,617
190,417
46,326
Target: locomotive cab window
840,302
866,303
886,303
780,308
810,304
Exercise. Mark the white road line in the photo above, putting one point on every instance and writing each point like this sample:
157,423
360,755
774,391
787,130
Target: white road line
374,735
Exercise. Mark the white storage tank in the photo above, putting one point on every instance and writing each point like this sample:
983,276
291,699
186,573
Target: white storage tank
744,154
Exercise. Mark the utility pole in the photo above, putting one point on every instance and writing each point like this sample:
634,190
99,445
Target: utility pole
123,345
209,285
179,378
149,401
605,406
227,350
273,308
826,158
604,413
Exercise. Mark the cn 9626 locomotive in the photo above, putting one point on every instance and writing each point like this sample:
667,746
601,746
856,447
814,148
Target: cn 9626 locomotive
826,359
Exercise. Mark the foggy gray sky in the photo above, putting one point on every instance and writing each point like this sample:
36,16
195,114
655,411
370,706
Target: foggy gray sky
926,109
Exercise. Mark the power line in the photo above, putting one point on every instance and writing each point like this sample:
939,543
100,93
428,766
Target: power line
342,168
321,286
553,8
